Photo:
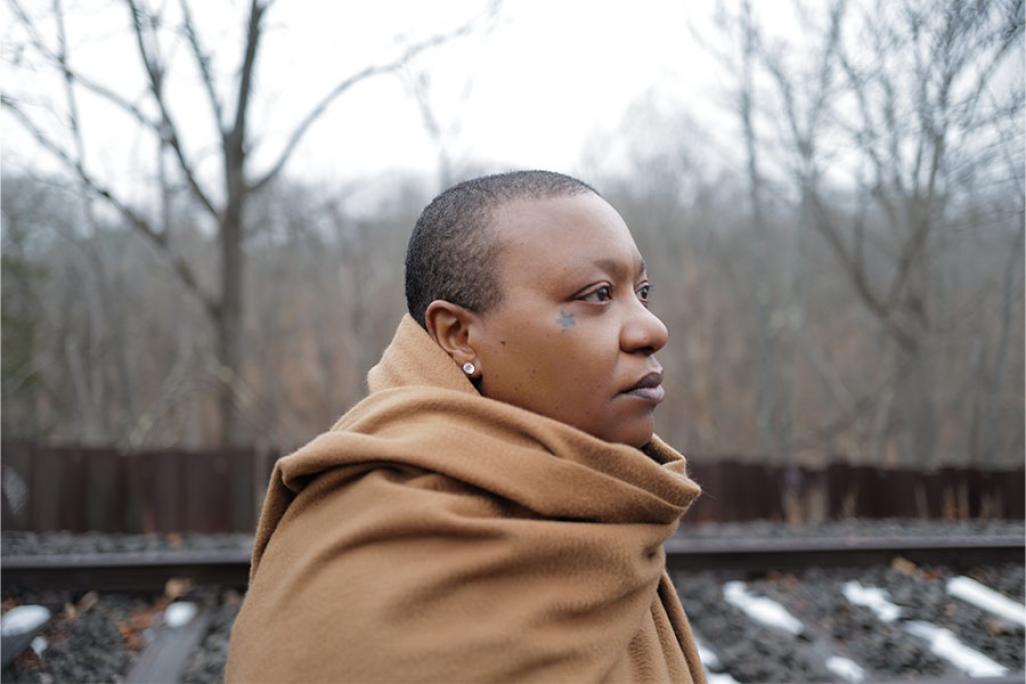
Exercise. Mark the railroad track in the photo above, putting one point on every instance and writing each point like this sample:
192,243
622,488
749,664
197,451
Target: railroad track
125,571
756,556
150,570
706,572
855,610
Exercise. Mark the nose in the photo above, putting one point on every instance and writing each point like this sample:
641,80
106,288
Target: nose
642,331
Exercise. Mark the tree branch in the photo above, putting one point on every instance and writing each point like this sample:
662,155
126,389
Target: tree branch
167,128
253,32
825,227
859,407
158,239
86,82
347,83
203,62
69,91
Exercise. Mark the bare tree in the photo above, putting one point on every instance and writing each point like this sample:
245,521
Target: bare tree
919,112
771,350
224,202
886,124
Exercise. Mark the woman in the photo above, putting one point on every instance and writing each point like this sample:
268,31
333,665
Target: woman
495,509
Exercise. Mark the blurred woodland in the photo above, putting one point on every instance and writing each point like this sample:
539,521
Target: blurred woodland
842,277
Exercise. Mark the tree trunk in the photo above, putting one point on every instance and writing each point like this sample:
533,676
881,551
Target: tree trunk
916,414
916,384
768,398
229,318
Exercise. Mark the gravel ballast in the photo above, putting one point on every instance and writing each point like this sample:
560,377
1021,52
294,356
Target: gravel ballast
97,637
90,638
63,543
886,650
206,666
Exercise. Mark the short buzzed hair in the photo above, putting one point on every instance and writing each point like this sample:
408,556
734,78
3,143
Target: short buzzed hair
452,254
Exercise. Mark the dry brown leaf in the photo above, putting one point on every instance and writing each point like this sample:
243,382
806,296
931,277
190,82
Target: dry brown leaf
905,567
177,587
87,601
28,660
133,637
998,627
133,628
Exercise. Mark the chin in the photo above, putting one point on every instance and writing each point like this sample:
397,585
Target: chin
637,437
640,443
636,431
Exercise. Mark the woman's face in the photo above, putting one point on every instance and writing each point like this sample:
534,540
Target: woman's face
572,337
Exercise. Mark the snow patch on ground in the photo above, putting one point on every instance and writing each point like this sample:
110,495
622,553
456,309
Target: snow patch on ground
877,600
709,659
761,609
946,645
712,662
941,642
179,614
23,619
846,669
39,645
985,598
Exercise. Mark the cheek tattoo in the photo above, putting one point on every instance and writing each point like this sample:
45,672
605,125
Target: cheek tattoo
565,320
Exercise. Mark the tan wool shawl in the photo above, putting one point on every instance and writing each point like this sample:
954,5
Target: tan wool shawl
435,535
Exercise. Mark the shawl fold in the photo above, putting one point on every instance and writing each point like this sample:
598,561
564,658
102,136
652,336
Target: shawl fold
436,535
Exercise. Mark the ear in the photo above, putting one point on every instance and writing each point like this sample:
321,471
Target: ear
449,325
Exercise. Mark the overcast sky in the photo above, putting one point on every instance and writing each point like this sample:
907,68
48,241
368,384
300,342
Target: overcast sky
545,82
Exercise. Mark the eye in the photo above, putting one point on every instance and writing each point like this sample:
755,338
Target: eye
644,292
601,294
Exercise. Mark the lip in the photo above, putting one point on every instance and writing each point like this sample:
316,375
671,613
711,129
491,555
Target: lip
648,388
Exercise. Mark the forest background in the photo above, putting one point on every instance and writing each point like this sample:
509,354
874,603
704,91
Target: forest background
834,222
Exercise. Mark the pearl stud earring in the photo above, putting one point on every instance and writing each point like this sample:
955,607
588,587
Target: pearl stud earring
469,368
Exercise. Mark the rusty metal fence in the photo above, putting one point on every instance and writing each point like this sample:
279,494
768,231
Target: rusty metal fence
106,490
738,491
76,489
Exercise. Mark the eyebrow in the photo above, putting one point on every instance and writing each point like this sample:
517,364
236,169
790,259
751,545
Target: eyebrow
614,266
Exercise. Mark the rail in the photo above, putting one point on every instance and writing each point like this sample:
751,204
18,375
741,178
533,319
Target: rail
150,570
